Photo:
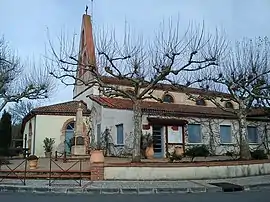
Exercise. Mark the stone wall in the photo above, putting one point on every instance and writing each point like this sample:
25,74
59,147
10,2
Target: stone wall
210,170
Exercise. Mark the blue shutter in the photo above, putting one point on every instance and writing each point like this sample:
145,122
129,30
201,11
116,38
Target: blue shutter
194,133
225,134
120,134
252,134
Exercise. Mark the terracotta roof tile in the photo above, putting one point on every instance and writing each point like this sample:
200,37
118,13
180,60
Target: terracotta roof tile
65,108
165,87
168,109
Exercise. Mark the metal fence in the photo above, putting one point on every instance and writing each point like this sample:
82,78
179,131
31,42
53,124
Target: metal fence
22,173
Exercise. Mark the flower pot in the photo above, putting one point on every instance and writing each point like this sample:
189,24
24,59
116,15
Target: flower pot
179,151
33,164
149,152
48,154
97,156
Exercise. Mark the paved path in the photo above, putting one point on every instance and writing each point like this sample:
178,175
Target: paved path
132,187
261,196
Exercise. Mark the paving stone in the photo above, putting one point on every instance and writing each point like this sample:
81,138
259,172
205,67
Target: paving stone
131,187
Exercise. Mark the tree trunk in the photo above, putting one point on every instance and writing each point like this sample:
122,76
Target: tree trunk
136,154
244,146
212,146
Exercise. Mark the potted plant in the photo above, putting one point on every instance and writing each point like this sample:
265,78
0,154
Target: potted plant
148,144
48,146
178,150
33,160
97,153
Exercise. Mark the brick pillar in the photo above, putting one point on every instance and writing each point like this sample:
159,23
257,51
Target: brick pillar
97,171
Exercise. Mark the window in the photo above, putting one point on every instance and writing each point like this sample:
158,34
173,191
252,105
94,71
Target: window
71,126
225,134
69,134
200,101
252,134
119,134
168,98
194,133
229,105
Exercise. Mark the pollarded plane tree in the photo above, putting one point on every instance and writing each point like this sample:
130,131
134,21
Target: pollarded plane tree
143,64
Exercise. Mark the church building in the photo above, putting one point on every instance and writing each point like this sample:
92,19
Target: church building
177,122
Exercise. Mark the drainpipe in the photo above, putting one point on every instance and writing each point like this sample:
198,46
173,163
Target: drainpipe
266,138
34,139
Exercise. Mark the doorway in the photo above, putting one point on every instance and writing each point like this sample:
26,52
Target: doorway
158,141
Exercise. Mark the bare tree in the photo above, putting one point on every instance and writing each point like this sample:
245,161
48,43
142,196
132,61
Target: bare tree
245,77
144,65
18,82
21,109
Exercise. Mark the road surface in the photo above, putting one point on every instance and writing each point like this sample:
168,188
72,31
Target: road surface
252,196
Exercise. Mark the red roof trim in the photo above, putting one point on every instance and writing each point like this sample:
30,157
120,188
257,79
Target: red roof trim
170,109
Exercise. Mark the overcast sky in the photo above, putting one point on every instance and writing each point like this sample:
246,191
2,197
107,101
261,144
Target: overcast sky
24,23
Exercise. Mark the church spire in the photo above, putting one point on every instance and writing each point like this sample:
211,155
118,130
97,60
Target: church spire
86,53
87,46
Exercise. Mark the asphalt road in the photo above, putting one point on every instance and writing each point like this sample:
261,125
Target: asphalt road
261,196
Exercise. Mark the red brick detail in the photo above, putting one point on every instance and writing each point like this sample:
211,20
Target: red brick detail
97,171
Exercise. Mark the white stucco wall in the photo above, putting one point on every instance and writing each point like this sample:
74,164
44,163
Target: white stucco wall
221,148
46,126
185,173
26,133
113,117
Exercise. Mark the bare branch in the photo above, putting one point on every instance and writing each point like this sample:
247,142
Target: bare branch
18,82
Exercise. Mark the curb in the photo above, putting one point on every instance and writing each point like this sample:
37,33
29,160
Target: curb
95,191
257,186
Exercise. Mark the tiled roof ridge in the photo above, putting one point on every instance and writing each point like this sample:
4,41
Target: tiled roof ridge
152,107
182,88
59,104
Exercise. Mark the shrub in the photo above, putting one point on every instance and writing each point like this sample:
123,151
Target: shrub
258,154
197,151
232,154
10,152
174,157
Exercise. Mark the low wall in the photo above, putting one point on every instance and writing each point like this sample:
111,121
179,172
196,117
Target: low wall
185,172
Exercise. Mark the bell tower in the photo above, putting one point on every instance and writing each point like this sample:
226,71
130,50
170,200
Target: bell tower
86,58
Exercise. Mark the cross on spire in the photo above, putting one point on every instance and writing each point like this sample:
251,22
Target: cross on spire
86,9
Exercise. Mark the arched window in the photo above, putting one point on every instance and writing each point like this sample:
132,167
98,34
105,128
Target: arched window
167,98
69,133
130,92
229,105
200,101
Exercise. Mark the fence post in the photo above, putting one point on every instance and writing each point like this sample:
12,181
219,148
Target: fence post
55,155
80,172
25,141
65,157
50,172
25,170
